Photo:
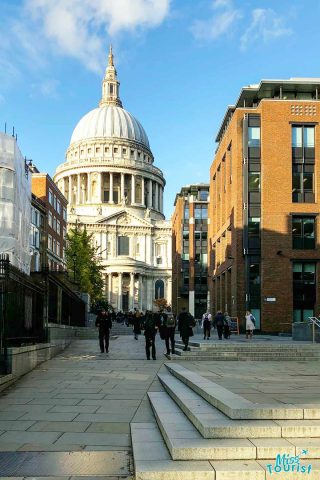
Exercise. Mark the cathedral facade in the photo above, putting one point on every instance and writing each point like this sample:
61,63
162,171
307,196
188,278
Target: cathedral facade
115,192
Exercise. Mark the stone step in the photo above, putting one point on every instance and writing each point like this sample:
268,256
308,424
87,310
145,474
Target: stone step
210,357
225,344
152,462
235,406
184,442
212,423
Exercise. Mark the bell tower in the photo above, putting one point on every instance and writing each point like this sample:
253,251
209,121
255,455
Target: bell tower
110,85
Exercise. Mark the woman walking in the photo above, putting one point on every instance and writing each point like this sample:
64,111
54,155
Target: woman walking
250,324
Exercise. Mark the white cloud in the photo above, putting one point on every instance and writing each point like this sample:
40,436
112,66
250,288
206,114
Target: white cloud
46,88
80,28
265,24
37,30
219,24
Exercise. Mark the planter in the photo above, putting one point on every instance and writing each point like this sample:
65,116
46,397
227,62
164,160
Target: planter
302,331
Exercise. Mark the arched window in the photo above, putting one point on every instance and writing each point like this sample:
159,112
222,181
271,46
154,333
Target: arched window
159,289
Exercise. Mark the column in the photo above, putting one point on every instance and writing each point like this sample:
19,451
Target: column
89,187
142,190
150,194
111,188
157,197
161,199
109,287
131,305
133,189
140,292
122,188
70,190
120,291
63,185
78,189
99,186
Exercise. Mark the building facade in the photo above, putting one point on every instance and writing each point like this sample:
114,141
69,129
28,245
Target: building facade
264,205
15,204
116,193
190,249
38,234
56,219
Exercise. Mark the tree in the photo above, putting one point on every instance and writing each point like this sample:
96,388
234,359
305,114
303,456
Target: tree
83,263
162,304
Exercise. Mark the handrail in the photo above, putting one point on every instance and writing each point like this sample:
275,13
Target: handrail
315,323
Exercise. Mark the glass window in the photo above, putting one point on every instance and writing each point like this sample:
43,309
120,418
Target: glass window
159,289
50,219
58,206
50,197
197,212
296,136
254,136
58,227
308,137
303,232
203,195
49,242
64,214
123,245
254,182
308,182
186,212
254,226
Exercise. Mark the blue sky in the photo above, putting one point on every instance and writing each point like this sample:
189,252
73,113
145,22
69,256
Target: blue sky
180,63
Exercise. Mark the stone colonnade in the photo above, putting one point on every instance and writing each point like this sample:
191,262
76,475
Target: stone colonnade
112,188
128,290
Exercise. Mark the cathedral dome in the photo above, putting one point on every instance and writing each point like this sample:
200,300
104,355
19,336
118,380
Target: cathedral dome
109,121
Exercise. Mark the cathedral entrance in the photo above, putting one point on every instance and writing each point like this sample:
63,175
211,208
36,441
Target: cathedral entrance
125,301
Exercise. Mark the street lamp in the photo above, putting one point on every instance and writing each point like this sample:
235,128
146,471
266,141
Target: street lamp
74,259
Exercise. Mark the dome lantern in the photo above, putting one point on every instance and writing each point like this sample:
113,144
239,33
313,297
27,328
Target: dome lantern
110,85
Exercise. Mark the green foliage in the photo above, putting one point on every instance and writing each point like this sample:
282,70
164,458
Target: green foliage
83,262
101,305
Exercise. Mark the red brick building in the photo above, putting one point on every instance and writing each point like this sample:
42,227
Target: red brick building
264,227
190,249
56,204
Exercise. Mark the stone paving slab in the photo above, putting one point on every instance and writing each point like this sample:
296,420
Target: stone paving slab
67,463
114,439
59,426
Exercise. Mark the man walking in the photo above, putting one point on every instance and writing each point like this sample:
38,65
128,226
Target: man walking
219,321
169,331
150,330
185,324
206,324
104,323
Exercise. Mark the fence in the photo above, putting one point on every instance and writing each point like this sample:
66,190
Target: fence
28,303
21,309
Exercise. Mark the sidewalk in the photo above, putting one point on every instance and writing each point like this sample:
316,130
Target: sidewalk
80,401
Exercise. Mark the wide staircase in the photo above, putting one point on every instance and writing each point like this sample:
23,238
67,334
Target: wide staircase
250,350
87,333
206,432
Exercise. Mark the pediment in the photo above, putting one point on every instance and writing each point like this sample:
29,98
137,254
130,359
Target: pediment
126,219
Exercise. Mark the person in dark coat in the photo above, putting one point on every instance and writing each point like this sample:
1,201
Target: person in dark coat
136,324
150,331
185,324
219,322
169,332
104,323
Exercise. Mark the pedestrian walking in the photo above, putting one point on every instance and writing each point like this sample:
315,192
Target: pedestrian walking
169,332
104,323
206,325
150,331
185,324
250,324
227,325
136,324
219,323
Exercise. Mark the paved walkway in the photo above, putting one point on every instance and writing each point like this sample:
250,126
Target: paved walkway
81,400
71,415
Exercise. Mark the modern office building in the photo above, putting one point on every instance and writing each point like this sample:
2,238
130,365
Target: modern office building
56,220
264,227
116,192
190,249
